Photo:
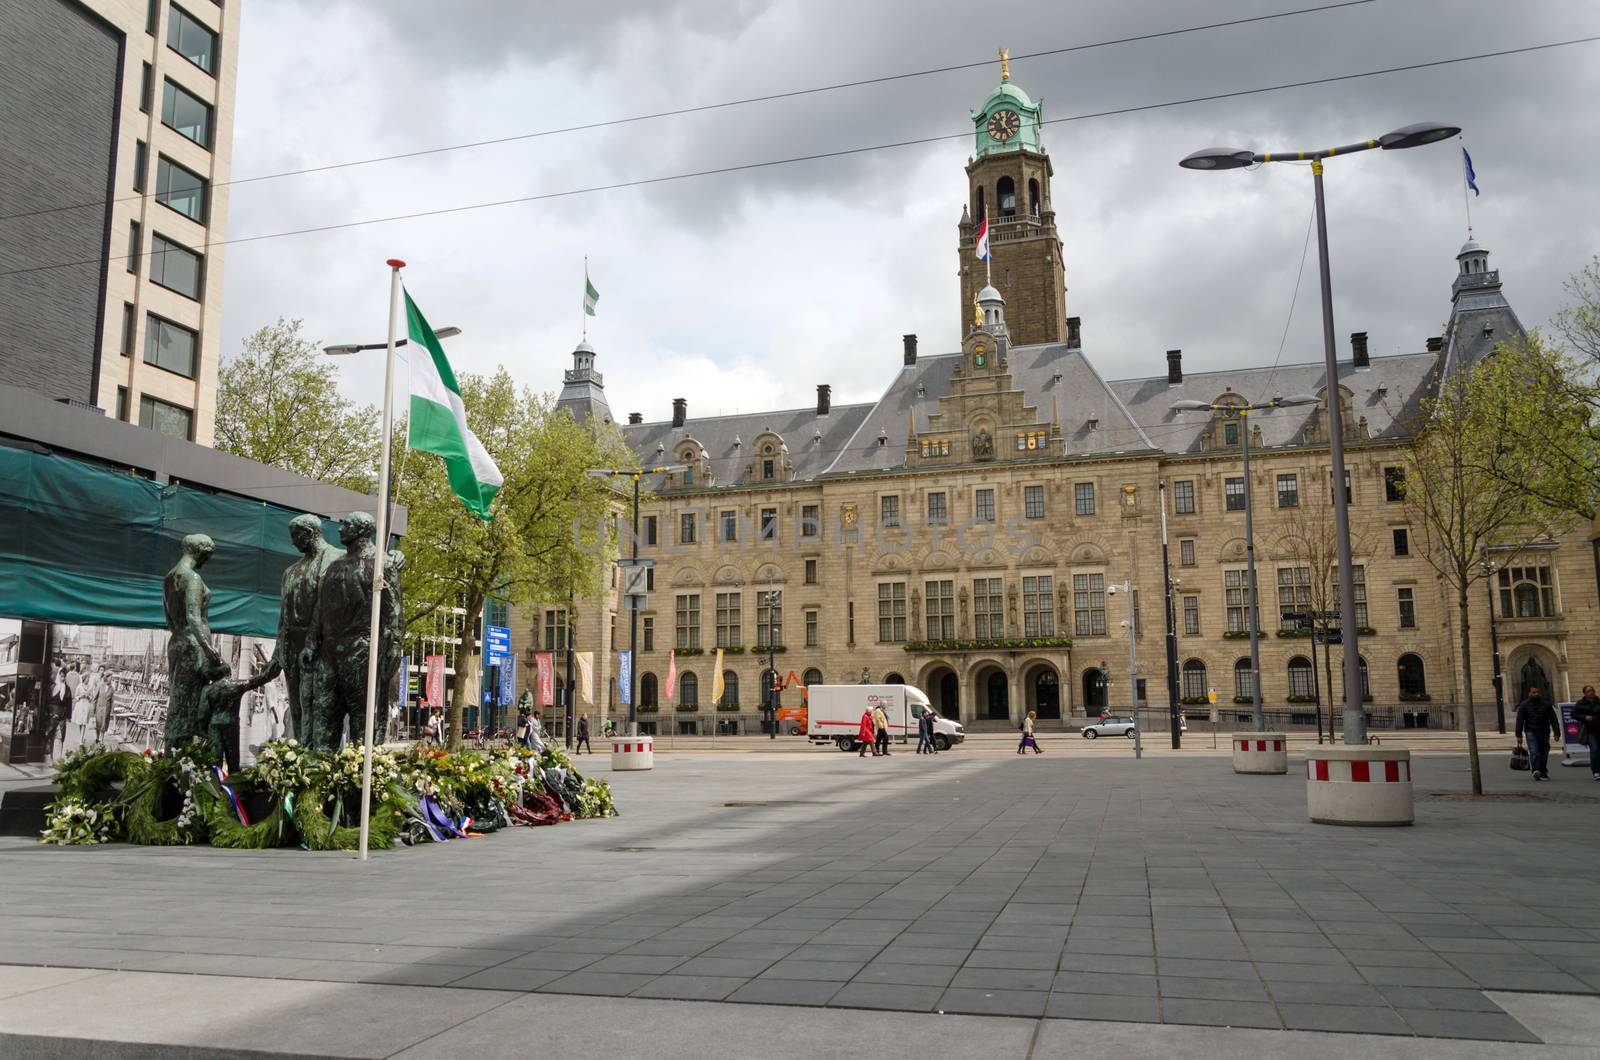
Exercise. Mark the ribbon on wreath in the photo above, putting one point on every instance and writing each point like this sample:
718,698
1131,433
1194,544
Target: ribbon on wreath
238,807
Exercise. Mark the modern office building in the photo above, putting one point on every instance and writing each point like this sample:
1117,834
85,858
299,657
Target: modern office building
118,119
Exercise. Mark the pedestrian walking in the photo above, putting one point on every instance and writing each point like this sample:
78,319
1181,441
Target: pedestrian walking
1537,720
583,735
925,733
880,728
1028,738
1586,712
866,734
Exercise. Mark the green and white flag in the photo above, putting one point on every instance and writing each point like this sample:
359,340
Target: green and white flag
438,421
590,295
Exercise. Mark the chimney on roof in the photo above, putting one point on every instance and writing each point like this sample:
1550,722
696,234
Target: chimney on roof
910,342
1074,336
680,411
1358,350
635,417
1174,367
1436,344
824,398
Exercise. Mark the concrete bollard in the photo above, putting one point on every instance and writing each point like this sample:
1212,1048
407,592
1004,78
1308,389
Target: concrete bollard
633,752
1359,785
1260,752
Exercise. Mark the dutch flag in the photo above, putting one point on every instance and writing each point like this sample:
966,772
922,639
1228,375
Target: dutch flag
983,240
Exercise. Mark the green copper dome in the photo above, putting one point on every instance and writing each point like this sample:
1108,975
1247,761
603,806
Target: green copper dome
1008,121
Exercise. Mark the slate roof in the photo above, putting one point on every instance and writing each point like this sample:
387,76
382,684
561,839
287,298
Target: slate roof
813,441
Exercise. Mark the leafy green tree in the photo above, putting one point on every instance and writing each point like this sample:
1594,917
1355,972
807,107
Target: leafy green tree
548,539
278,403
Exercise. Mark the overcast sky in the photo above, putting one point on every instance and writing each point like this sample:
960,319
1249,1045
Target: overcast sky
744,291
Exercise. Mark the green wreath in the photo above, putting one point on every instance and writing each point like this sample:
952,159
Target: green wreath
320,830
89,773
143,794
276,829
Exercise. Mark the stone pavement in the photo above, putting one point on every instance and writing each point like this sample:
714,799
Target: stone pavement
1080,889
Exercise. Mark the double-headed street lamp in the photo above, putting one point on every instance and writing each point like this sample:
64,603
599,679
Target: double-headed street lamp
1257,717
1355,731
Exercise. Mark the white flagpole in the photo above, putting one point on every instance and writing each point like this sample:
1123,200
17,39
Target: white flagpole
988,281
381,551
585,310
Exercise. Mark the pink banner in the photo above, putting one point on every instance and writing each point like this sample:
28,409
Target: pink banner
547,678
433,691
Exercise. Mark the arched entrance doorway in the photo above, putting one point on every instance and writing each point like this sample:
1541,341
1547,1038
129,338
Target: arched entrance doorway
994,694
944,692
1044,691
1094,691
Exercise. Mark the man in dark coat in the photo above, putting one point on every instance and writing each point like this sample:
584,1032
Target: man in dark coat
1537,720
1586,712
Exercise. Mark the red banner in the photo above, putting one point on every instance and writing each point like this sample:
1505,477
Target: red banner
547,678
433,691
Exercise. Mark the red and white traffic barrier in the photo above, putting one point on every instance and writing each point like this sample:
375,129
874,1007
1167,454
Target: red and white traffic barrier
1260,752
633,752
1359,785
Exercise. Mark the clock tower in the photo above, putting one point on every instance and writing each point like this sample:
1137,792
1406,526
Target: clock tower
1008,182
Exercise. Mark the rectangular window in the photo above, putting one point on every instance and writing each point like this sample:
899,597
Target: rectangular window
729,620
811,629
810,520
1083,498
135,248
649,634
889,511
192,40
730,526
174,421
811,572
556,628
983,506
1183,497
1089,605
179,189
1289,491
688,628
175,267
1236,598
1394,483
850,623
1408,609
1402,541
1526,592
152,17
1138,617
170,346
766,468
769,619
769,524
892,612
649,579
1294,594
186,114
128,322
649,529
147,87
686,528
1360,577
1233,494
1191,619
940,601
988,608
1186,552
122,403
1039,606
1347,494
1033,502
141,163
938,510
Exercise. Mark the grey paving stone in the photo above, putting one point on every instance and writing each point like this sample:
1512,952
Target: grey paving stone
1202,969
764,951
1003,979
506,977
906,974
1390,976
899,996
836,971
639,964
612,984
1219,1013
1127,1008
1443,998
1309,973
1105,983
786,992
1292,993
1213,989
1351,1019
554,961
1107,962
1125,947
993,1002
744,967
1000,958
690,987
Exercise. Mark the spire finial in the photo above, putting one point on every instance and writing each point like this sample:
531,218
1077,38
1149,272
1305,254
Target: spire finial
1005,65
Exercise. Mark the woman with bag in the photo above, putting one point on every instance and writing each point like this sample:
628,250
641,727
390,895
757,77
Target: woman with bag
1028,738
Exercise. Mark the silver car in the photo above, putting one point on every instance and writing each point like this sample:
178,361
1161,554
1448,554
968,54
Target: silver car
1109,727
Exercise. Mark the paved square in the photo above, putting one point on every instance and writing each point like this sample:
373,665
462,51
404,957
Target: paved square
1095,888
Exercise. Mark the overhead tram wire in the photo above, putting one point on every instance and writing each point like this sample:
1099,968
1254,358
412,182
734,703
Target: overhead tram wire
744,167
723,105
1293,299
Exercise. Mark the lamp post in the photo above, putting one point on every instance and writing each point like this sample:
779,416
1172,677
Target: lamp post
1257,717
1489,569
1126,589
1174,708
1228,158
633,606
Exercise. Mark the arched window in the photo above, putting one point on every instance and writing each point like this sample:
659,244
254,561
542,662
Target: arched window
1300,676
812,676
1366,685
647,690
730,690
894,679
1005,194
1413,681
1033,197
1194,679
977,206
1243,687
688,691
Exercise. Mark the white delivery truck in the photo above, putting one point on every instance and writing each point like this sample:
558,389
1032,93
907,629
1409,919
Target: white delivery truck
834,714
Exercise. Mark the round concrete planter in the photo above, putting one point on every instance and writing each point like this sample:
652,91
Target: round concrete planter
633,752
1260,752
1359,785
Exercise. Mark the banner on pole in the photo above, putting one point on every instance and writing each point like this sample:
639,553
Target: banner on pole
585,661
625,676
405,681
435,685
547,678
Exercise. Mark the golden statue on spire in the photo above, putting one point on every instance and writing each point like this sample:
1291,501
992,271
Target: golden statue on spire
977,313
1005,65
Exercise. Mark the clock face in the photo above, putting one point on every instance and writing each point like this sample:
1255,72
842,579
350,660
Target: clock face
1003,125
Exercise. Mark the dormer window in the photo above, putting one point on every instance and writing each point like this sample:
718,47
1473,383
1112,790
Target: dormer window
1230,434
766,468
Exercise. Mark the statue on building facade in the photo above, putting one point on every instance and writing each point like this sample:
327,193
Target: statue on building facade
983,444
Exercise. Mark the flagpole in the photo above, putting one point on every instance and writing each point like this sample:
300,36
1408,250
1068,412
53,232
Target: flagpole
380,551
585,309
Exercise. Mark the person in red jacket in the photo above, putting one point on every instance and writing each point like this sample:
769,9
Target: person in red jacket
867,735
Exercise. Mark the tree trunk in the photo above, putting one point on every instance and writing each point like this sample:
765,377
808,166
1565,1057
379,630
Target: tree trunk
466,651
1466,682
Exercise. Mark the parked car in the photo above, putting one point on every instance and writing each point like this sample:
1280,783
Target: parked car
835,713
1109,727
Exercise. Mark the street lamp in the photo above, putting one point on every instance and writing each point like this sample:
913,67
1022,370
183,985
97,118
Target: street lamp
1236,158
771,599
344,351
1257,717
1126,588
1489,569
633,604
